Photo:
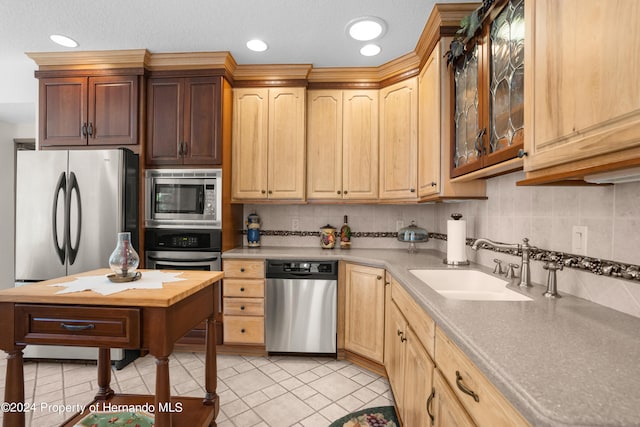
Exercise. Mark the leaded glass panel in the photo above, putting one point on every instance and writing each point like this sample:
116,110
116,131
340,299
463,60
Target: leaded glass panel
506,99
466,111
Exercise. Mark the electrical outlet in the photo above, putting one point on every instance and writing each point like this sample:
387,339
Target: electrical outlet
579,240
295,224
399,224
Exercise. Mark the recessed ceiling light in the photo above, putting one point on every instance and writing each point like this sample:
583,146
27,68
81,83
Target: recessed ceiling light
63,40
366,28
257,45
370,50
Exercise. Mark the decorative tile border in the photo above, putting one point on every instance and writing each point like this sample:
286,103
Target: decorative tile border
578,262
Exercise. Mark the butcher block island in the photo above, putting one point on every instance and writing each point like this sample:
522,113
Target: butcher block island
149,319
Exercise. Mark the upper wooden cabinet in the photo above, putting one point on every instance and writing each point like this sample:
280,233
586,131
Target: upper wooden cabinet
434,133
81,111
581,88
342,145
489,92
183,121
399,141
268,144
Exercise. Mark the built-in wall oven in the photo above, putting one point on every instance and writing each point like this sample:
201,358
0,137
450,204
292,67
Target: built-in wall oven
183,198
183,249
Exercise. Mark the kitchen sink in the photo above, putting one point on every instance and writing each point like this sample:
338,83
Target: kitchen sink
471,285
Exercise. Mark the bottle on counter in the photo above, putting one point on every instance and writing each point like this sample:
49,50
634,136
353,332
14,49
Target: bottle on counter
345,235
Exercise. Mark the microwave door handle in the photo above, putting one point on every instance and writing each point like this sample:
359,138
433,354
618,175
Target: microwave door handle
60,186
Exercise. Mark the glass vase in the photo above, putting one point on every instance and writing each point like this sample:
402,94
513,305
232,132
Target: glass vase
124,260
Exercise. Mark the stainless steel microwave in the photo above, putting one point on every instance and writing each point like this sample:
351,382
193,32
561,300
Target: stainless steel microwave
183,198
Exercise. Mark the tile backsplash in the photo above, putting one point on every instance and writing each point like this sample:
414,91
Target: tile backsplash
546,215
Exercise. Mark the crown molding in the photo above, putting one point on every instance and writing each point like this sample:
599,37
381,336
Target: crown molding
90,60
191,61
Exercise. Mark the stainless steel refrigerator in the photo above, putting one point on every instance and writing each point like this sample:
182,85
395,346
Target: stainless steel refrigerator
70,205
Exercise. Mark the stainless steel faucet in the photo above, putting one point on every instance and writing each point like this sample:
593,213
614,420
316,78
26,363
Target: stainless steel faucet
525,275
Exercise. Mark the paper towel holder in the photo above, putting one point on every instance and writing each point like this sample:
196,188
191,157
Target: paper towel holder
457,217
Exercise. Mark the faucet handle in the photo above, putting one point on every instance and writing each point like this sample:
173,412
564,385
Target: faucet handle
498,268
511,271
552,283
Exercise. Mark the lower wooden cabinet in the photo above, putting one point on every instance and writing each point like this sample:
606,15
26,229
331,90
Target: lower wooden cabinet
409,368
364,311
243,302
484,403
444,408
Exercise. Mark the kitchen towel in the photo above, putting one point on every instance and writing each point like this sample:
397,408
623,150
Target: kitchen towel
456,241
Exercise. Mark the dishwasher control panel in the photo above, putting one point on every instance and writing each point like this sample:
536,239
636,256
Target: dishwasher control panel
281,268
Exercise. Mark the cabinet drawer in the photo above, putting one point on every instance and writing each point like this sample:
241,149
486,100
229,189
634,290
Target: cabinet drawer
244,268
488,407
244,306
243,329
420,321
243,288
78,325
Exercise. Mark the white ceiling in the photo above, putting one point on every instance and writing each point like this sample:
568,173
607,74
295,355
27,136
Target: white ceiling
297,31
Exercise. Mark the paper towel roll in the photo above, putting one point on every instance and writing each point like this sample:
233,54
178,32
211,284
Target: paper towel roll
456,241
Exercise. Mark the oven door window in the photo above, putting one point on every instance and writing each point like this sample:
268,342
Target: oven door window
179,199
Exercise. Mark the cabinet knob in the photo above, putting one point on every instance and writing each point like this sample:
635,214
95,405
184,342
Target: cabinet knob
242,330
263,192
379,277
345,191
270,192
433,183
241,289
413,190
242,307
339,192
241,269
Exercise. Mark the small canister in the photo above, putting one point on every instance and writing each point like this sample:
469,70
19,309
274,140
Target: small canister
253,230
327,237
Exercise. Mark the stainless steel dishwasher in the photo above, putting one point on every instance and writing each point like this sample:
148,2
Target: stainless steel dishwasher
301,299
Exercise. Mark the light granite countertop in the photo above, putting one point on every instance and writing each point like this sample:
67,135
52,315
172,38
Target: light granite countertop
560,362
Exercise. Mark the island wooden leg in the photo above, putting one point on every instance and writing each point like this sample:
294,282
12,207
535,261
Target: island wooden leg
211,368
14,389
163,392
104,374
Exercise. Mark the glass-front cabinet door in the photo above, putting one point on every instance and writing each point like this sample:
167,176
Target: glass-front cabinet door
489,92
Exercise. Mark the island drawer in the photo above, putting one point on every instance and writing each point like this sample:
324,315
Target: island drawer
243,268
486,405
78,325
244,306
243,329
243,288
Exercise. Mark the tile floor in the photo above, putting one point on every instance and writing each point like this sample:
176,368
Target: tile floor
276,391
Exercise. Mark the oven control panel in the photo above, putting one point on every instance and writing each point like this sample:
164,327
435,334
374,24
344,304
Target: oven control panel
182,239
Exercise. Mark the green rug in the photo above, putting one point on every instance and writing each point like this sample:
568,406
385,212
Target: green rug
382,416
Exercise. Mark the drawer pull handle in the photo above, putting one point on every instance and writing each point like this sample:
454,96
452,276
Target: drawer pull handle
429,402
77,327
463,388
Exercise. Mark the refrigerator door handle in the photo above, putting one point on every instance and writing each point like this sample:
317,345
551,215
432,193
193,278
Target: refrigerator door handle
60,186
73,186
